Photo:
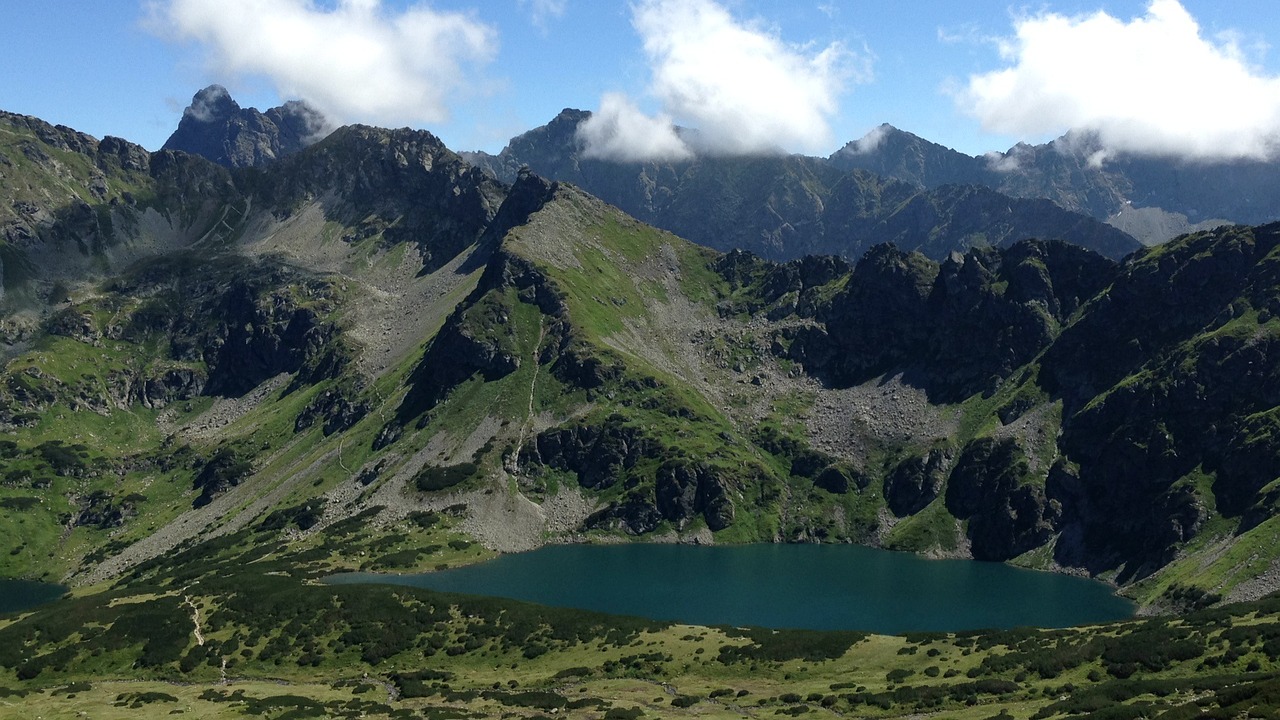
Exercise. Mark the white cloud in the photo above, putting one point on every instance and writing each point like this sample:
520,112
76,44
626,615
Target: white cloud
1003,162
620,131
1152,85
544,11
744,88
869,142
355,61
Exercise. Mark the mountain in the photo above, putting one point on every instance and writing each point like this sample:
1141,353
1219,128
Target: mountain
786,206
372,328
221,386
76,208
780,207
216,127
1151,197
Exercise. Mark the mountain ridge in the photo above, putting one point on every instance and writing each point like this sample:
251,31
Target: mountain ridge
410,336
1155,197
220,387
1151,198
786,206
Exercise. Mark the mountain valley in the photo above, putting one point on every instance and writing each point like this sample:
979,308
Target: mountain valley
226,377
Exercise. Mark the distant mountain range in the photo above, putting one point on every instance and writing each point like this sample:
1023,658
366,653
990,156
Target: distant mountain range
889,186
786,206
1152,198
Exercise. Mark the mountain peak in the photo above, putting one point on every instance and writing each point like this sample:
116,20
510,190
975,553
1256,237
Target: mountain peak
211,105
216,127
570,116
892,152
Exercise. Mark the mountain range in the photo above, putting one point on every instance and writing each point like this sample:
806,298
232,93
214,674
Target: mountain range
265,354
372,326
784,207
778,205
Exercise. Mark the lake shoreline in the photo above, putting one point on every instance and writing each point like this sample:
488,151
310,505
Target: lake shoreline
805,585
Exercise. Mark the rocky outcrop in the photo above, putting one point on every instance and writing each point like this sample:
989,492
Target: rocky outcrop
610,454
634,514
336,408
402,186
221,472
777,290
256,341
685,490
916,482
214,126
989,486
598,455
101,510
156,388
245,321
958,327
826,471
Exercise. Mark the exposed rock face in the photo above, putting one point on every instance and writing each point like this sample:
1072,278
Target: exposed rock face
988,487
598,455
214,126
778,290
602,456
337,409
1187,386
158,388
219,473
245,322
687,489
915,482
403,185
963,325
100,510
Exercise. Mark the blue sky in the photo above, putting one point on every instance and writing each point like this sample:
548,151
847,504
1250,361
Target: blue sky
485,71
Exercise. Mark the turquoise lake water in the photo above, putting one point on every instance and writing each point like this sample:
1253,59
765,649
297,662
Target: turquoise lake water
821,587
23,594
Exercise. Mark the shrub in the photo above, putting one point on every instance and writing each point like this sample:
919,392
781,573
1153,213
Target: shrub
433,478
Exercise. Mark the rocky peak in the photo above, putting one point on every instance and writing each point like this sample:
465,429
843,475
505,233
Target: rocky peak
895,153
216,127
400,185
211,104
551,150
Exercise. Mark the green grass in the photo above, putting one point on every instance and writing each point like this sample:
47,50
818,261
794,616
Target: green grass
930,529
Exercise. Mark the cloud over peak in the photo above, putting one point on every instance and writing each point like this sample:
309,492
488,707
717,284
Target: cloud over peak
744,88
355,61
1152,85
620,131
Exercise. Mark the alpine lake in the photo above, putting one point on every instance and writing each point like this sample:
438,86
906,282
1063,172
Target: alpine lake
17,595
818,587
